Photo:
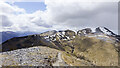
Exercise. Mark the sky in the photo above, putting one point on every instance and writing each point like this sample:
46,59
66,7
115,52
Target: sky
47,15
31,7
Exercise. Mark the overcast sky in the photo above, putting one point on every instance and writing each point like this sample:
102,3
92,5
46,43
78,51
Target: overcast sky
58,15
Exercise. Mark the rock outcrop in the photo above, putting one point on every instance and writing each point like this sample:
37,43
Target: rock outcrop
84,32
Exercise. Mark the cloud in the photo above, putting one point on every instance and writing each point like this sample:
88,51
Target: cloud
12,1
6,8
63,14
76,14
16,19
38,20
5,21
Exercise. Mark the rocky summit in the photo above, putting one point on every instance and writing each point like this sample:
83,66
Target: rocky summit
63,48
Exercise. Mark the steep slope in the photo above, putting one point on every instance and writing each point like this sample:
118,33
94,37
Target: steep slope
24,42
96,51
105,30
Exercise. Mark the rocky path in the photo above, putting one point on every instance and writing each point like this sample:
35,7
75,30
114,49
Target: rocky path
60,61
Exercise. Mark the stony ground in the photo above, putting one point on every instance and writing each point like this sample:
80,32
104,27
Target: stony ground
60,61
34,56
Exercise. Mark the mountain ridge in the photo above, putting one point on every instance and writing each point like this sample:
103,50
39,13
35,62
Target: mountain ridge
83,47
66,35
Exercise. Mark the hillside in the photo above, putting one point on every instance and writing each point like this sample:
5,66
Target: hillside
81,48
6,35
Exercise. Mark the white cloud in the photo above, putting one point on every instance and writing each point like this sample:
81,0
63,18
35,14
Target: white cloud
16,19
63,14
6,8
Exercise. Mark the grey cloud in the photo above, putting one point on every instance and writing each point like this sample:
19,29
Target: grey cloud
5,21
81,13
105,14
39,22
42,24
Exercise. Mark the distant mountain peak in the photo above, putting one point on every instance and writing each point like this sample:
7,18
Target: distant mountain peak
104,30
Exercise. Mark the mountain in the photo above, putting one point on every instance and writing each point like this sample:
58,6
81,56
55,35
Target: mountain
5,35
81,48
105,30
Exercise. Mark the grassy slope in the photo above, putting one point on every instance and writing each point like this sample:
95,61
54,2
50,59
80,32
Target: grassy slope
92,50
